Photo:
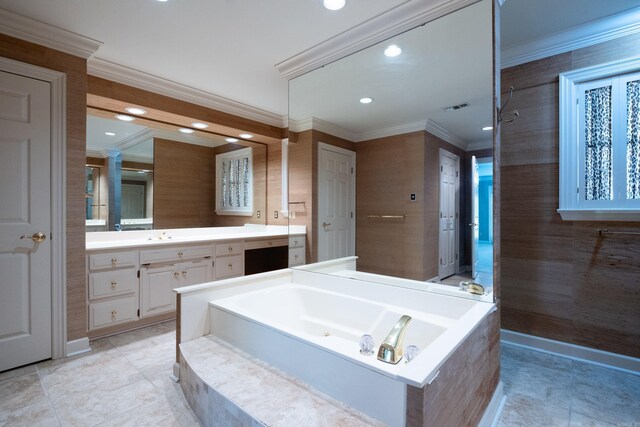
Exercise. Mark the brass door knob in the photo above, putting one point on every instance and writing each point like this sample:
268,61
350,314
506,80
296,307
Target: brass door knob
38,237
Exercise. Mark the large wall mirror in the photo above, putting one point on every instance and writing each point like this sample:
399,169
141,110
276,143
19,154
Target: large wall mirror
390,153
145,174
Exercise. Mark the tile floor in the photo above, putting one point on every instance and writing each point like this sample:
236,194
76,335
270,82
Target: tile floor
125,381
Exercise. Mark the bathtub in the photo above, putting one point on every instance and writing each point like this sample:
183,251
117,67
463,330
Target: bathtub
310,326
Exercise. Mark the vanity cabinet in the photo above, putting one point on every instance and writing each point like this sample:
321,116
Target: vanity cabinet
165,269
113,288
229,259
297,249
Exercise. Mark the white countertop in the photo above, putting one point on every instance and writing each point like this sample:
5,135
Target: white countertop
144,238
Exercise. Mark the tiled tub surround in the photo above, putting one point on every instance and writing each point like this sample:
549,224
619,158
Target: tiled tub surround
282,318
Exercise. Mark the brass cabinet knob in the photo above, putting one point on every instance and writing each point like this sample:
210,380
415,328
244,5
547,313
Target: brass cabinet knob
114,260
230,266
230,249
114,314
114,284
176,274
184,273
38,237
180,253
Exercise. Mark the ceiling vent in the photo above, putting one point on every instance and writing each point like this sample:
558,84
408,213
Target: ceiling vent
456,107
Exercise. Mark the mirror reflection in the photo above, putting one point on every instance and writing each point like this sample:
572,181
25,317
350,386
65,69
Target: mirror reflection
143,175
390,153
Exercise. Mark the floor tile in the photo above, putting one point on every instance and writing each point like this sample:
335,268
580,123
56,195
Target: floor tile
580,420
40,414
17,372
17,393
525,411
606,394
156,413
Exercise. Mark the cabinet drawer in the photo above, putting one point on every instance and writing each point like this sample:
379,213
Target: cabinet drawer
296,256
259,244
108,313
111,283
113,260
230,266
296,241
176,253
230,248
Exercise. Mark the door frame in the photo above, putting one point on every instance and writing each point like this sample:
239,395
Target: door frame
58,133
456,158
352,188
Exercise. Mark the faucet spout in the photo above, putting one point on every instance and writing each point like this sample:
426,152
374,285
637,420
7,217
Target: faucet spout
390,350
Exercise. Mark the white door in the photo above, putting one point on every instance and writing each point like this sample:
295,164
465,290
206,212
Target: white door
475,220
449,164
336,202
25,209
133,199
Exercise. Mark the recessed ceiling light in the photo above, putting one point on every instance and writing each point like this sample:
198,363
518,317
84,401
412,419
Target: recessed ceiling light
231,139
135,110
186,130
487,128
199,125
246,135
162,1
110,133
366,100
125,118
392,51
334,4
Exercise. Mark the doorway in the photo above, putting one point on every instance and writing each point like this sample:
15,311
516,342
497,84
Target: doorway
336,202
483,198
449,214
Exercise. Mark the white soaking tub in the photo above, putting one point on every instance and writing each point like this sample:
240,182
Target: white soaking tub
310,326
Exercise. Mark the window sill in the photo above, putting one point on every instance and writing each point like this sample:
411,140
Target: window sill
599,214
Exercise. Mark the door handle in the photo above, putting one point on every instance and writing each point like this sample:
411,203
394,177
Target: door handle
325,225
38,237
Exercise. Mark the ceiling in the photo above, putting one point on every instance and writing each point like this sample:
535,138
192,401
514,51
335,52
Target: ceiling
229,48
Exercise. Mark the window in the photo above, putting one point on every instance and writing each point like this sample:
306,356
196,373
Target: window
600,142
234,183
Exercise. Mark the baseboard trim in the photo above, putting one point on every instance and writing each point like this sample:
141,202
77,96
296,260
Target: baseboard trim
607,359
78,346
492,414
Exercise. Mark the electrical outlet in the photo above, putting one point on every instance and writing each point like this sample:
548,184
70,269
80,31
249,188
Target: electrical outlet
258,214
413,196
275,214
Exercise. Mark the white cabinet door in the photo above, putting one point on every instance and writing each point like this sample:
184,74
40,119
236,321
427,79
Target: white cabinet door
156,289
196,272
25,206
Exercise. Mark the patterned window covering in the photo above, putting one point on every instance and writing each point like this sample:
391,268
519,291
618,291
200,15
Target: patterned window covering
598,144
633,139
234,182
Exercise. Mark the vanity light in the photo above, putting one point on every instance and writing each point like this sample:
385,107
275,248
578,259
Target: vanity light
125,118
487,128
231,139
199,125
135,110
334,4
110,133
366,100
186,130
392,50
246,135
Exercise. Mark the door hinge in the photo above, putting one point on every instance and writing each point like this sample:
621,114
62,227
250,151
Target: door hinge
351,214
213,263
578,190
441,169
440,214
138,312
138,274
456,174
50,236
351,171
440,261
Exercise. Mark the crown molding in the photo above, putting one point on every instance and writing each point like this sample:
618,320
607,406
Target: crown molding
139,159
128,76
442,133
322,126
589,34
479,145
391,131
47,35
408,15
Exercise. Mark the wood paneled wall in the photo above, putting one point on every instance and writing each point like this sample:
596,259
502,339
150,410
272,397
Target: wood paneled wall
76,71
559,279
274,185
388,171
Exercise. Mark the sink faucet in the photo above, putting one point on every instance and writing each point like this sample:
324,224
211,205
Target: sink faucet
391,349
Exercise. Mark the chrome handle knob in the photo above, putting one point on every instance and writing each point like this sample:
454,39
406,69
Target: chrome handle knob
325,225
114,260
230,249
230,266
114,284
114,314
180,253
176,274
38,237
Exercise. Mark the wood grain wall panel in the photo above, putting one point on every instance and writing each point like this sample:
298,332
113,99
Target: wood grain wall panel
101,88
534,135
301,187
460,394
560,280
76,85
184,183
274,186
